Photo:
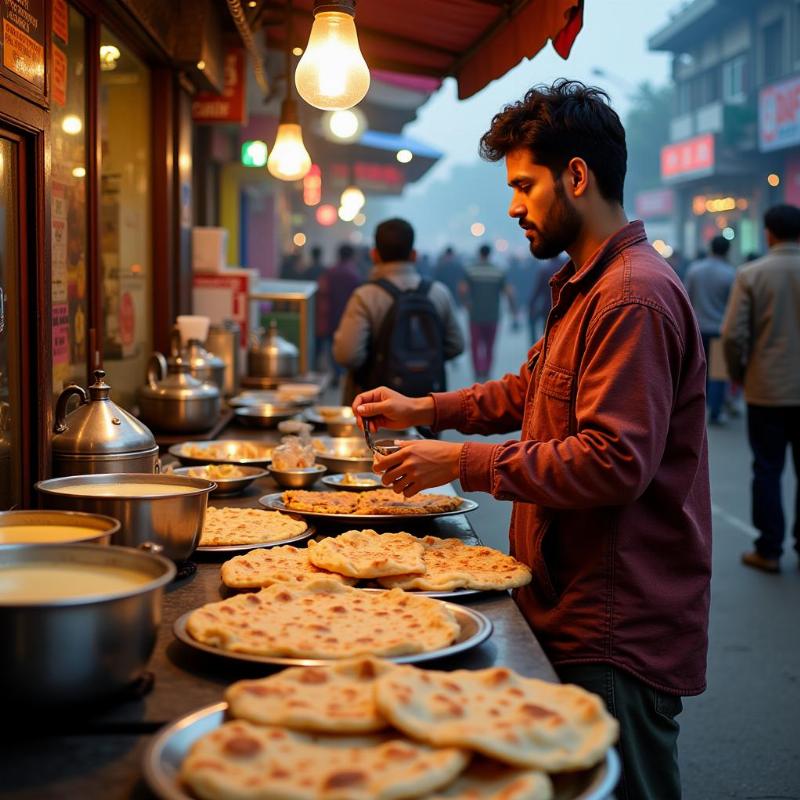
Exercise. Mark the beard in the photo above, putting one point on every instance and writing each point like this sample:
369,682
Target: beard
559,230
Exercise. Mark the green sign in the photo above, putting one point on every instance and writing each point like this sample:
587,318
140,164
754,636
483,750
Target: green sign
254,153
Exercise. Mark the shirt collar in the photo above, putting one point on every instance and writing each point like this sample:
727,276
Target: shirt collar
393,268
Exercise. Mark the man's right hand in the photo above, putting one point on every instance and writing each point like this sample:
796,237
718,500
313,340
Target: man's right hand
386,408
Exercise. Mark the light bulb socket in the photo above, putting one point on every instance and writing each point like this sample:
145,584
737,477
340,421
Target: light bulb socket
343,6
289,114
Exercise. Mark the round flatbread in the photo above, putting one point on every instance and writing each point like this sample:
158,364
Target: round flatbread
324,619
387,501
334,699
240,760
491,780
521,721
451,564
232,526
283,564
320,502
368,554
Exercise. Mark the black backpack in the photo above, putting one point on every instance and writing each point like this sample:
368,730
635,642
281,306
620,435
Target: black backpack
408,352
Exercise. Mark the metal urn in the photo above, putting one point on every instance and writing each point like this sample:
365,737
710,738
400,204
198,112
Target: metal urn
99,436
173,401
203,365
271,356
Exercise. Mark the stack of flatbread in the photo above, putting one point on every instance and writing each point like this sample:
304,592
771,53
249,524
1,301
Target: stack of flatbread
232,526
374,502
365,729
394,560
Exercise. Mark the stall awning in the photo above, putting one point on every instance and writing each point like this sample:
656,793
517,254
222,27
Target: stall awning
475,41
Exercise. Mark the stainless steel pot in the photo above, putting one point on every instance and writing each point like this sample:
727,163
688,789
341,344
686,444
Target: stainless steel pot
271,356
99,436
204,366
174,401
104,527
77,649
173,521
223,341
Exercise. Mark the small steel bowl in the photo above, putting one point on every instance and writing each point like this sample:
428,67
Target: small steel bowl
103,526
344,454
263,416
300,478
225,486
386,447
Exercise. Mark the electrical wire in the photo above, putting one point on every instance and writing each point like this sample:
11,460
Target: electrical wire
240,20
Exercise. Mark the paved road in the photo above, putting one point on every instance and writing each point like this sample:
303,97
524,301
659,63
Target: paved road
741,739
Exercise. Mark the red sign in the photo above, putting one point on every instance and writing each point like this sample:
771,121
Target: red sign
779,115
791,181
61,20
655,203
22,41
230,105
59,76
690,158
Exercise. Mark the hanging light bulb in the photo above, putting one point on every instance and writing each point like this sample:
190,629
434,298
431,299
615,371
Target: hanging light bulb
352,197
332,73
289,159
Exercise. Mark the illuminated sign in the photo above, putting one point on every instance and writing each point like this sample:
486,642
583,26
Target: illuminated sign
779,115
312,186
688,159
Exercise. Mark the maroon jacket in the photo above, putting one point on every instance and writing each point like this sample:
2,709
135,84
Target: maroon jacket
610,478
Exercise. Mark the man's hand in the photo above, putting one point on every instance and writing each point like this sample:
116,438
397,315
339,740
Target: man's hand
419,465
386,408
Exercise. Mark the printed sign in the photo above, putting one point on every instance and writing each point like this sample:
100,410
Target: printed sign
59,76
655,203
23,39
60,333
779,115
61,20
58,242
230,105
693,157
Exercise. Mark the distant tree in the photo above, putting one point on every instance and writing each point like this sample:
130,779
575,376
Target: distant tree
647,131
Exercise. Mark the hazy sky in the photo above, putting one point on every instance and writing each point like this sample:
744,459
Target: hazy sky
614,39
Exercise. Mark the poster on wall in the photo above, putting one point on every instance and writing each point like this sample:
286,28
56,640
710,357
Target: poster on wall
59,93
61,20
22,40
230,106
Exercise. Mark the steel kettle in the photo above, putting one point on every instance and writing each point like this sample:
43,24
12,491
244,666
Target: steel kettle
99,436
172,400
271,356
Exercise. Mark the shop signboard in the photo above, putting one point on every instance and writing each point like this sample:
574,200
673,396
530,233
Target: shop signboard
792,180
654,203
779,115
22,40
229,106
691,158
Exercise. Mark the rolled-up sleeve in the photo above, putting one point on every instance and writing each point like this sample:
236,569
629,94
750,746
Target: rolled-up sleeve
626,388
736,333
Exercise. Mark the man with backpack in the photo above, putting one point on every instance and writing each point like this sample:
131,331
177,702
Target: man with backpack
397,329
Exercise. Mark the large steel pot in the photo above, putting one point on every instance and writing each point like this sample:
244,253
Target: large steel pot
172,400
99,436
173,521
271,356
104,527
71,650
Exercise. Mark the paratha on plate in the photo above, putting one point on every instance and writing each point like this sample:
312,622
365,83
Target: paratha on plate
451,564
232,526
283,564
324,619
368,554
339,698
387,501
520,721
243,761
490,780
320,502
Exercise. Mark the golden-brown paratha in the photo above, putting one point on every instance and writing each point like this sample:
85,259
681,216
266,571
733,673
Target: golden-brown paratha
368,554
320,502
387,501
232,526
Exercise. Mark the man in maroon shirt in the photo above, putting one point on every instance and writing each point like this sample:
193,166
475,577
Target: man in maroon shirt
609,478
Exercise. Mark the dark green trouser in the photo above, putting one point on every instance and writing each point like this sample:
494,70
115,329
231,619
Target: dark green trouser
648,743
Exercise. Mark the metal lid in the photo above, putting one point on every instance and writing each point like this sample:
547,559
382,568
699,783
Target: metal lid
170,380
274,344
97,425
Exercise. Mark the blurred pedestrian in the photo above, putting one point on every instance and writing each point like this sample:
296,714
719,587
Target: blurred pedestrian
336,284
450,271
520,276
708,283
483,286
398,329
761,341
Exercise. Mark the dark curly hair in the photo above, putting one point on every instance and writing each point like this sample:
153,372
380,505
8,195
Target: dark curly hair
560,122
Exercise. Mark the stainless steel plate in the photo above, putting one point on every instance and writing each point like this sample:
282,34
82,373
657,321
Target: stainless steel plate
274,502
231,454
165,753
264,415
241,548
335,481
226,486
475,629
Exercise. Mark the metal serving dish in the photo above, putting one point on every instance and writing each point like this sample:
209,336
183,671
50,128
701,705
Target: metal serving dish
299,477
263,416
343,454
71,650
172,520
225,486
228,451
253,398
339,420
105,527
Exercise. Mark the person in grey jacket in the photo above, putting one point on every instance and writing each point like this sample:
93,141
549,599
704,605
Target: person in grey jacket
394,258
761,341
